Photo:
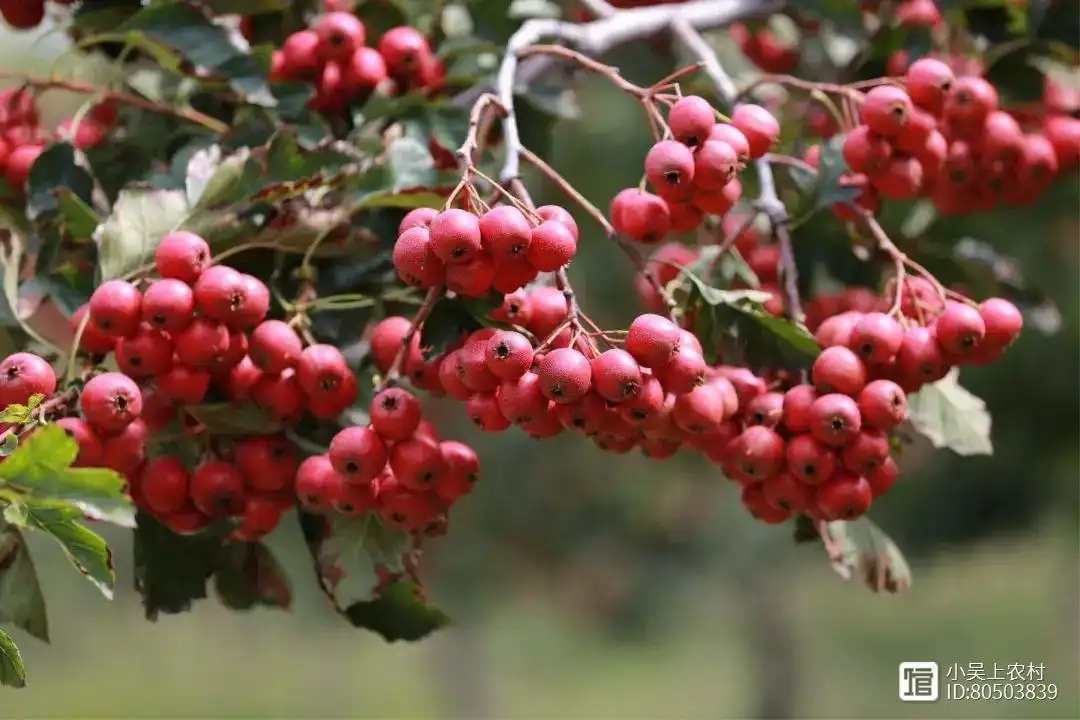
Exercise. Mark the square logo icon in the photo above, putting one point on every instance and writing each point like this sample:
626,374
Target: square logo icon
918,681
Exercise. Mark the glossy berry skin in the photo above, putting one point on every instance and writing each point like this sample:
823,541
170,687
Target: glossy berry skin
461,473
652,340
183,385
353,499
691,119
701,410
91,452
22,375
920,359
317,483
415,259
876,338
809,460
165,486
92,339
522,400
405,509
835,419
715,165
640,216
148,352
203,343
182,255
340,35
552,244
261,514
505,232
882,404
565,375
766,409
886,110
403,48
759,126
797,402
960,328
322,371
838,370
169,305
275,347
669,166
734,137
417,463
217,489
455,236
559,214
1002,320
755,455
267,462
845,497
684,372
866,452
395,414
116,308
358,454
616,375
110,402
508,355
483,411
929,81
784,492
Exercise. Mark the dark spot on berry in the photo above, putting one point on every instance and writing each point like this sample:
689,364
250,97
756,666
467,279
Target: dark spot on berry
158,319
784,504
121,402
313,499
352,467
502,351
347,507
426,477
673,177
398,517
837,423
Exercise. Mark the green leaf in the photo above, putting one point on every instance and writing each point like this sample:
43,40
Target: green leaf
450,319
287,161
41,468
21,602
12,672
248,575
140,218
213,181
86,550
80,220
171,571
15,414
826,187
10,444
247,7
187,30
449,125
398,613
242,418
951,417
411,164
861,549
55,170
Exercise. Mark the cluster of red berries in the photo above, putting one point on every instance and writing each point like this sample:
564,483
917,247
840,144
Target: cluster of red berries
26,14
943,137
396,466
504,249
693,173
22,139
344,70
763,49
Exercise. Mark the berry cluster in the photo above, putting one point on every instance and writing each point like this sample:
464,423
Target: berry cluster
693,172
22,139
26,14
504,249
763,49
334,57
944,137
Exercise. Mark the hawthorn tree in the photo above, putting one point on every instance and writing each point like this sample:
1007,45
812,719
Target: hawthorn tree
273,232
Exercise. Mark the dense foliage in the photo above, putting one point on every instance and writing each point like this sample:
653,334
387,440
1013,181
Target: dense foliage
274,232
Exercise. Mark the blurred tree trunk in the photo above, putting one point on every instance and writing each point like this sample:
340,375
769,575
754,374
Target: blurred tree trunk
773,643
459,670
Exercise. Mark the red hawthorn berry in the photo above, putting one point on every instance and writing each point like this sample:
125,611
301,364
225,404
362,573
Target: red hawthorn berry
450,380
715,165
116,308
505,232
616,375
405,509
508,355
125,451
461,472
512,275
387,339
91,452
913,137
734,137
261,514
558,213
267,462
1002,320
328,407
970,100
365,71
866,452
169,305
415,259
640,216
759,126
217,291
960,328
719,202
358,453
403,48
22,375
275,346
845,497
797,402
565,375
691,119
339,34
93,340
280,394
395,413
419,217
322,370
546,425
472,366
685,216
886,109
766,409
353,499
237,351
203,343
483,411
659,449
883,477
920,359
300,54
838,369
876,338
23,14
646,404
865,151
547,310
522,399
217,489
1063,132
701,410
753,499
835,419
472,278
684,372
417,463
148,352
110,402
552,245
455,236
186,522
928,83
165,486
652,340
784,492
317,483
882,404
182,255
18,164
158,411
901,179
747,385
183,385
669,166
809,460
754,455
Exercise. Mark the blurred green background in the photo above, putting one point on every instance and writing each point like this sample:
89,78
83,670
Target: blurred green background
590,585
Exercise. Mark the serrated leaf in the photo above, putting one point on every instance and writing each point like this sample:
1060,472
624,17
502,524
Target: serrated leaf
248,575
86,550
21,602
859,548
15,414
141,217
12,672
53,171
347,557
242,418
398,613
41,468
449,320
171,570
951,417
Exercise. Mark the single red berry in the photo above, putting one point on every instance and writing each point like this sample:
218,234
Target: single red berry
886,109
186,522
358,454
275,346
718,202
640,216
970,100
755,455
23,14
928,82
415,260
920,359
552,245
669,166
18,164
92,340
715,165
217,489
148,352
417,463
322,370
784,492
652,340
168,305
110,402
547,310
684,372
267,462
182,255
91,451
300,54
866,452
354,499
882,404
403,508
203,343
455,236
558,213
340,34
836,330
835,419
116,308
747,385
960,328
365,71
845,497
461,473
685,217
646,404
565,375
545,425
125,451
766,409
403,48
158,411
237,352
883,477
865,151
472,278
1002,320
513,274
165,486
797,402
838,370
759,126
183,385
317,483
876,338
522,399
691,119
387,339
734,137
23,375
395,414
505,232
279,394
753,499
809,460
508,355
483,411
616,375
328,407
420,217
261,514
701,410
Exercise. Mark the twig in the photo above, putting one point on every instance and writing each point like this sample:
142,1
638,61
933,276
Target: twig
553,175
41,410
422,313
467,151
126,98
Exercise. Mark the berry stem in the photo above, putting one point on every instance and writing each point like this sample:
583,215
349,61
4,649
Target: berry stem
193,116
422,313
54,403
